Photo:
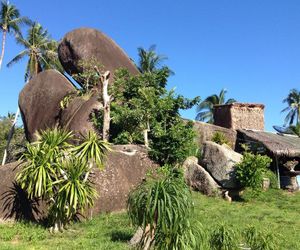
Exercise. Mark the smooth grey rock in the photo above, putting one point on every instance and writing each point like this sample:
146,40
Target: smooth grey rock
39,101
198,178
85,44
220,162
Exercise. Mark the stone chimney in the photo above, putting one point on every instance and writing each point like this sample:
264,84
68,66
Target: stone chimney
240,116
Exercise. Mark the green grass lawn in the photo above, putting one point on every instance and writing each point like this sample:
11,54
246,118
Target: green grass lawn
274,210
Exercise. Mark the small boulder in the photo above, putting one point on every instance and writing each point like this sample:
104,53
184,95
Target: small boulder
220,162
87,43
198,178
39,101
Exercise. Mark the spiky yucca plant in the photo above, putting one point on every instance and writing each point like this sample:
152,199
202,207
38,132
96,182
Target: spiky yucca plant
162,207
58,172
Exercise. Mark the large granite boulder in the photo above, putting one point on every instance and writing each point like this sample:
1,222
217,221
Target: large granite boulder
76,116
87,43
198,178
220,162
13,200
126,166
39,101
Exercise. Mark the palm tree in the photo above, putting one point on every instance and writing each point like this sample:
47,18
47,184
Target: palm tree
293,108
10,21
149,61
41,50
205,108
42,53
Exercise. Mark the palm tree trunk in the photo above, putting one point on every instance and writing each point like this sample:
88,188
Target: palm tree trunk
10,135
3,47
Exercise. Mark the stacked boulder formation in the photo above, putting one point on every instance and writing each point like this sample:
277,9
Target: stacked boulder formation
215,171
39,101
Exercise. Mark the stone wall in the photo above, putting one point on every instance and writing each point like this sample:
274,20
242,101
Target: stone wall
205,132
240,116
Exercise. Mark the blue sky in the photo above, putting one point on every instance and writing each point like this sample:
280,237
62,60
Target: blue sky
249,47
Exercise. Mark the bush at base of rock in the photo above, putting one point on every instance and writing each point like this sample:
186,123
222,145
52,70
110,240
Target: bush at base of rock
251,171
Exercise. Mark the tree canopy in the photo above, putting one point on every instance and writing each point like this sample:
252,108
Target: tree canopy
40,49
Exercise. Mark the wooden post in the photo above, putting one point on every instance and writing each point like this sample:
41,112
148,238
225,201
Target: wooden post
277,169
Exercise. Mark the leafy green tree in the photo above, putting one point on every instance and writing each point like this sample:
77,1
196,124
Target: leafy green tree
162,206
18,141
10,22
205,108
147,105
59,173
40,49
293,108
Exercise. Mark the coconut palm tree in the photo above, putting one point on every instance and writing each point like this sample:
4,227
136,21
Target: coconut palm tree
205,108
42,53
149,61
10,22
293,108
40,49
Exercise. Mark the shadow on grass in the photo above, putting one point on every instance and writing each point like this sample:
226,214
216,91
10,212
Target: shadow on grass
122,236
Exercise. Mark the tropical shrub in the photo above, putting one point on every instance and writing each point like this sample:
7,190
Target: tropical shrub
223,238
273,179
59,173
251,171
17,143
220,138
162,206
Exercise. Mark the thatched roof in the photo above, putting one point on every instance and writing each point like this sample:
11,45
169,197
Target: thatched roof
277,144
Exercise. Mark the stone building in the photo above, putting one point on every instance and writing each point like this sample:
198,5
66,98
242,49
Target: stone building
240,116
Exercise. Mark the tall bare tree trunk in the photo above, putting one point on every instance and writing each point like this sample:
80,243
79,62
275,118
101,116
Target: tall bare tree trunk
145,132
10,135
106,105
3,47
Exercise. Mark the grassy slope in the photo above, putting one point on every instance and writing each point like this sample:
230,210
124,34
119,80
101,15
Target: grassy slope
274,210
